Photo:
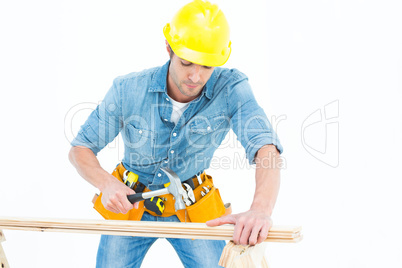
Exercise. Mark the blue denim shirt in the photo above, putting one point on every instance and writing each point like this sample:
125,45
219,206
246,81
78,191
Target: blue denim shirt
137,105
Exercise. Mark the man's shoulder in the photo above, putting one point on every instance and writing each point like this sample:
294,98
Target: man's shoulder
231,74
139,75
227,79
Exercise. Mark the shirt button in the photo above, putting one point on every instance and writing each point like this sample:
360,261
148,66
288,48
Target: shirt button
208,128
165,119
166,160
174,134
140,131
167,99
172,151
159,175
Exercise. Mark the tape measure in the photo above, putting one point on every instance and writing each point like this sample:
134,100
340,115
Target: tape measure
130,178
155,204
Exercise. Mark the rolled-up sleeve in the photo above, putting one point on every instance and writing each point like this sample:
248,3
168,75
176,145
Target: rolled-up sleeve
248,119
103,124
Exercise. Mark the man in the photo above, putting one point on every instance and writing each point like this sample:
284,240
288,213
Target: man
173,116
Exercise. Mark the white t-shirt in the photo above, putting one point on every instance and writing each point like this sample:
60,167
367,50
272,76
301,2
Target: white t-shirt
178,109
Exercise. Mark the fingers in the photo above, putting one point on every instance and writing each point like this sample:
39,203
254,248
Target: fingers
120,207
111,207
115,206
118,203
242,229
263,233
251,230
258,233
254,235
124,201
238,234
222,220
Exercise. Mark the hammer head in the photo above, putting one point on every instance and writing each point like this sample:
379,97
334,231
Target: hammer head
175,188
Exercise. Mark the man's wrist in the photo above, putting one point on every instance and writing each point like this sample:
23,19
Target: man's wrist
263,208
105,181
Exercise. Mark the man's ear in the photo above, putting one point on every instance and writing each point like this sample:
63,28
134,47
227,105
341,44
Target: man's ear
167,47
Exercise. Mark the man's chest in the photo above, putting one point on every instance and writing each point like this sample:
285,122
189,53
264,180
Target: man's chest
150,132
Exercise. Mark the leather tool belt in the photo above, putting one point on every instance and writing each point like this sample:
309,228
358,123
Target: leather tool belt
207,206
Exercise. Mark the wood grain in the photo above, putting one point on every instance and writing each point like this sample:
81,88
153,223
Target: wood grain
142,228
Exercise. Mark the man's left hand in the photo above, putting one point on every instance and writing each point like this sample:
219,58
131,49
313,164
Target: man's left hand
251,227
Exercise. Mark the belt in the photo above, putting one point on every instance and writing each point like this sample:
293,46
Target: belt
207,206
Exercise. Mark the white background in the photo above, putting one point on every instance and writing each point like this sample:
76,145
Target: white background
343,186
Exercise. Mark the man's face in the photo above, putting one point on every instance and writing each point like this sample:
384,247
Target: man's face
186,79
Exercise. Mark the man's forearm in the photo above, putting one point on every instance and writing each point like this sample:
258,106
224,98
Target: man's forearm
87,165
114,193
267,179
252,226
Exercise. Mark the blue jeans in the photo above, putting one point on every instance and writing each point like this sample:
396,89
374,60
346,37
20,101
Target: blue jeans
129,252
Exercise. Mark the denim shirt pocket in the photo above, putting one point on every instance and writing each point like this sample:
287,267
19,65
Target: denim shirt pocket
207,124
203,131
140,140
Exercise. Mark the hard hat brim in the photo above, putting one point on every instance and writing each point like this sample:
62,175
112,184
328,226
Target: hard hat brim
202,58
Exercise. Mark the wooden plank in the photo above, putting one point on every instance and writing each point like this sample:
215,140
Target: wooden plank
142,228
101,224
211,231
136,227
144,234
117,223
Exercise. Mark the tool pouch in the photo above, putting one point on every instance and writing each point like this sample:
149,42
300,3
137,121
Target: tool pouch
206,207
133,214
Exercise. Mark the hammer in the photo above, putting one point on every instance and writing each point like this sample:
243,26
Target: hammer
174,188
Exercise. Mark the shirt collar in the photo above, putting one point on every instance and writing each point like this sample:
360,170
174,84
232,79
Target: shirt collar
209,86
159,80
158,83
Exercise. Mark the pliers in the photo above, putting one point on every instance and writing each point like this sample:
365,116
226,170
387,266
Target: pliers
188,196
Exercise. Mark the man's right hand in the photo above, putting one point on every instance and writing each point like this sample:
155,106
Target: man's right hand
114,196
114,192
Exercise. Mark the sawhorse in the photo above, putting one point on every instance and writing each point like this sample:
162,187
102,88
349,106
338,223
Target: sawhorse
3,259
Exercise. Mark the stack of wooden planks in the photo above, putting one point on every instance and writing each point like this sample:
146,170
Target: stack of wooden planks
142,228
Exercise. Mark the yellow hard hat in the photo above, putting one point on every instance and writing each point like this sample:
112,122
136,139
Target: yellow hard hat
199,33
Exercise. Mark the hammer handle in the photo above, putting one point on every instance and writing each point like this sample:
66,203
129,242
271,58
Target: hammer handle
141,196
135,198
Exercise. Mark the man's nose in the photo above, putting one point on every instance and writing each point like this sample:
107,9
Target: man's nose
195,73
